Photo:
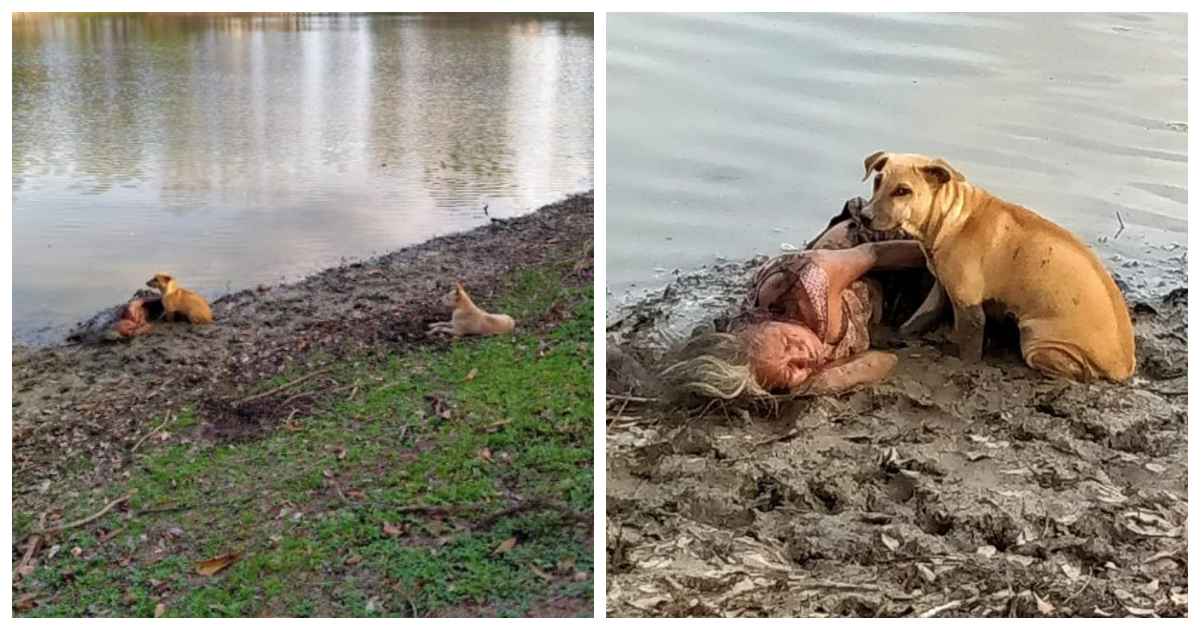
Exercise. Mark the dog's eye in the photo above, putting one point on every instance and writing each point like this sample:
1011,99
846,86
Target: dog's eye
901,191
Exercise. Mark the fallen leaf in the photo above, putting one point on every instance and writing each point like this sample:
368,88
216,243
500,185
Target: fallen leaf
891,543
485,454
1150,588
1179,599
540,573
440,408
107,536
1140,612
1156,468
987,551
927,574
505,546
212,566
26,568
580,577
1024,561
1043,606
357,495
53,552
566,564
354,560
328,474
472,374
159,610
392,530
1070,571
1101,612
24,602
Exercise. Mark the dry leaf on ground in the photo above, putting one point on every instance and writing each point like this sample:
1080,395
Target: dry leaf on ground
214,565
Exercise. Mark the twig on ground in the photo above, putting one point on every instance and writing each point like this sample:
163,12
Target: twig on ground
160,388
403,431
188,506
637,399
491,519
288,385
1122,222
837,586
160,427
534,504
84,521
937,610
35,542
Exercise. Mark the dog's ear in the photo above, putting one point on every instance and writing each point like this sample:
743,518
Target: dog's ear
941,171
874,162
459,288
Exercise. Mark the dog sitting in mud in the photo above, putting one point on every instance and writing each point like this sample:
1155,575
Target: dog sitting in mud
469,319
178,301
987,252
804,330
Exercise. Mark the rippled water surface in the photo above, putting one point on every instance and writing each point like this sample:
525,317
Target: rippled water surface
234,152
730,135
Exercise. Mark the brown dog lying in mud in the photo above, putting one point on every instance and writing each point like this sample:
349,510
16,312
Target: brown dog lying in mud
179,301
988,252
805,326
469,319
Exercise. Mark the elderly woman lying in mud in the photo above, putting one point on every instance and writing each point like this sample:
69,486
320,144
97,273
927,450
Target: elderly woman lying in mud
804,329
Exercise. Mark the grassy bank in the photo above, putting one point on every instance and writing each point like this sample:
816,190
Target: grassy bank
454,478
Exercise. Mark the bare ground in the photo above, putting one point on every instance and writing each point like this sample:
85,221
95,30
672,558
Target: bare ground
949,490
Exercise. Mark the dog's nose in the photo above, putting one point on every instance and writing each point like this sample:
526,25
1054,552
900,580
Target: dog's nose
866,216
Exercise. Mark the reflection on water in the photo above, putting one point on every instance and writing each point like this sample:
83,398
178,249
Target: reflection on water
234,151
729,135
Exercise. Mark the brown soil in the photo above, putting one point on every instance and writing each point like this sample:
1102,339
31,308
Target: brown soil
84,405
949,490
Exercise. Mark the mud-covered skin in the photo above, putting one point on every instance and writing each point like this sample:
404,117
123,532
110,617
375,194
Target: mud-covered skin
818,310
133,318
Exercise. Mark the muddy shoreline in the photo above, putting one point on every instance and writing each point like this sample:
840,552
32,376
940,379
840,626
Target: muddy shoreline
81,406
948,490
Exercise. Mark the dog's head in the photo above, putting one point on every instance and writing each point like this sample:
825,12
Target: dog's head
161,281
904,189
456,293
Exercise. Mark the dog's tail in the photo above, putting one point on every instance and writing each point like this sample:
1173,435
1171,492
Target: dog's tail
712,367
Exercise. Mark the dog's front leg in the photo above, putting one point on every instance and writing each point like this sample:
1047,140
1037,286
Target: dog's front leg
968,329
928,314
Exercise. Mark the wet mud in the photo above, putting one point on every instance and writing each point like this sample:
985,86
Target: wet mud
948,490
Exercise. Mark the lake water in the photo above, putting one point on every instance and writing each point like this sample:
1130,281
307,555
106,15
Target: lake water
731,135
239,151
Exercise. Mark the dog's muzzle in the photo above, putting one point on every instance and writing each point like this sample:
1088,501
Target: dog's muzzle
866,215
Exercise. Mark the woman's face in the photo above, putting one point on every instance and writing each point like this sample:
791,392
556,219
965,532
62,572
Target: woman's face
783,355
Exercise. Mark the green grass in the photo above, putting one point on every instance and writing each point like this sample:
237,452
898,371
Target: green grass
520,425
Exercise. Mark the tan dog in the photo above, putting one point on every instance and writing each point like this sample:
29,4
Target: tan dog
177,300
469,319
1072,317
